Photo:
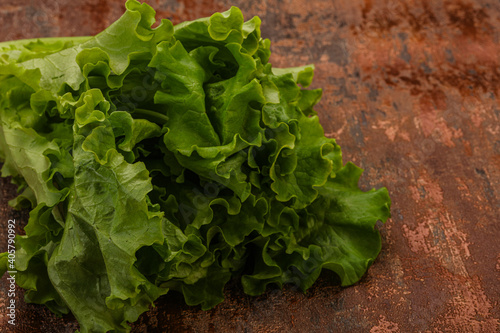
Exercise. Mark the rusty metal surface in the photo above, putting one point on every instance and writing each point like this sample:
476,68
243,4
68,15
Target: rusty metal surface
411,92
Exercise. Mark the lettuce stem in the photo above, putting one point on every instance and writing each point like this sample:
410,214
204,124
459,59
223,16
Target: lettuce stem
21,42
153,116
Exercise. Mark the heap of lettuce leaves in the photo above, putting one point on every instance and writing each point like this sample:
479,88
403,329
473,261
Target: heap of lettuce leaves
172,158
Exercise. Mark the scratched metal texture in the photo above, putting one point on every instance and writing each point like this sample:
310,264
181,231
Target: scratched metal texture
411,93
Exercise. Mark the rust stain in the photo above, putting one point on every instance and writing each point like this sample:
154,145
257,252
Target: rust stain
417,237
436,230
414,193
432,189
11,8
469,308
463,188
465,17
101,10
385,326
419,65
432,124
366,8
394,131
458,245
468,148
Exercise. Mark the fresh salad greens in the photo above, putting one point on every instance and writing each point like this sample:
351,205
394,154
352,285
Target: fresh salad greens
172,158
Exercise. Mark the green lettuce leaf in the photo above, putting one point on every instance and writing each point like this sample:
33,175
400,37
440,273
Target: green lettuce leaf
173,158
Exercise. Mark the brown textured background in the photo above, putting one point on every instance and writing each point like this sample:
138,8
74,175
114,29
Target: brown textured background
411,93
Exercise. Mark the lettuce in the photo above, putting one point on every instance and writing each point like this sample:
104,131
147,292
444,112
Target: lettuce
173,158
